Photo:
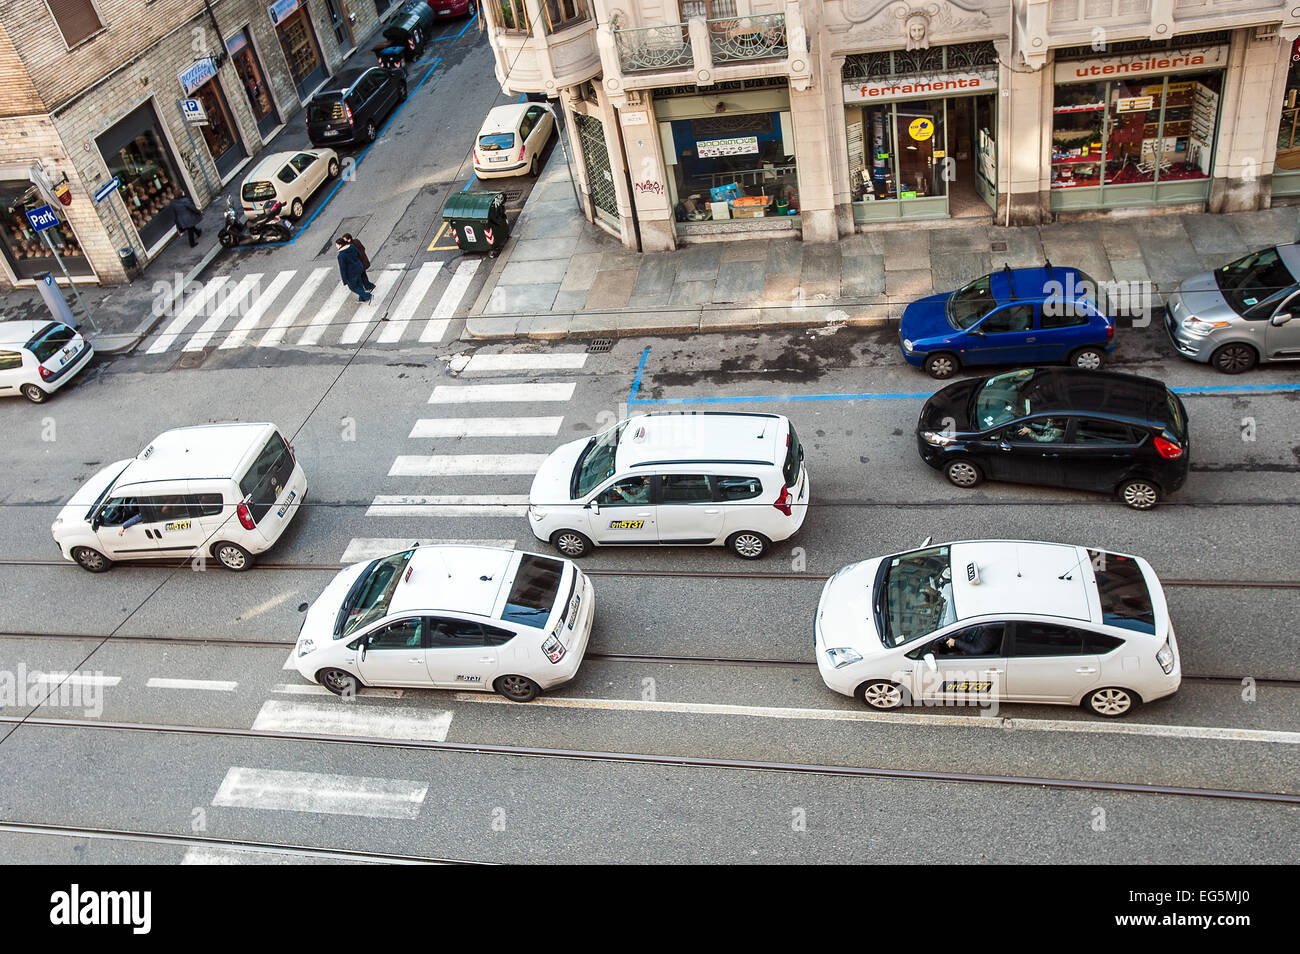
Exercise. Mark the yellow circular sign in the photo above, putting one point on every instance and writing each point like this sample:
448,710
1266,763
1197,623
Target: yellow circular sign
921,129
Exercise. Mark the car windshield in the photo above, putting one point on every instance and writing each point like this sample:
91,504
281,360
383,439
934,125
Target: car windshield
969,304
596,462
1005,397
914,596
369,596
1249,280
496,141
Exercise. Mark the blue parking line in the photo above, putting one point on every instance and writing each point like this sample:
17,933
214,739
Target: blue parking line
636,381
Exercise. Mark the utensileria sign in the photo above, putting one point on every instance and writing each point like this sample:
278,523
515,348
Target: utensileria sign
1166,61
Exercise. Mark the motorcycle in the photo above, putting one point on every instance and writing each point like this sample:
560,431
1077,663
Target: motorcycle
264,228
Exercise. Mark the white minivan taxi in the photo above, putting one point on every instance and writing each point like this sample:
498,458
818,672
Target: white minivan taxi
224,490
985,621
450,617
698,478
39,357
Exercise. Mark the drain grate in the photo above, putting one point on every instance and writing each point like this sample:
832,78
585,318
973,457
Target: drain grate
600,346
999,246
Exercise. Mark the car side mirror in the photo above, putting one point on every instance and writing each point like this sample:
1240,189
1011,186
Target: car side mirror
95,522
594,507
930,664
1280,319
361,651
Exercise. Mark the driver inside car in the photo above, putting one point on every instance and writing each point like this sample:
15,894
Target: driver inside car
979,641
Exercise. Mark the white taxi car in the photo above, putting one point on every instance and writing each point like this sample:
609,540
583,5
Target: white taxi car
998,620
450,617
39,357
288,177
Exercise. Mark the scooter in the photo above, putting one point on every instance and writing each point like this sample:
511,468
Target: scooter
264,228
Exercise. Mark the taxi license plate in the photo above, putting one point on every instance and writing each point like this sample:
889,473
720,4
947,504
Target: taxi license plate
288,500
573,609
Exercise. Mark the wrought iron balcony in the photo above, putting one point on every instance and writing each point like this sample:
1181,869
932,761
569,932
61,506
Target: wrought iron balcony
739,39
653,48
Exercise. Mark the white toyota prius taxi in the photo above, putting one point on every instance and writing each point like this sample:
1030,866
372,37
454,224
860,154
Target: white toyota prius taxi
982,621
450,617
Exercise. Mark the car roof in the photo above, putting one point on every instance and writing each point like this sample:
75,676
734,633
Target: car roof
190,453
1078,391
504,118
18,333
1018,577
458,579
1031,284
343,81
702,436
272,162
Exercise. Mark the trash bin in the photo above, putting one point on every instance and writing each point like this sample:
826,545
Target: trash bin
127,255
477,220
391,57
411,27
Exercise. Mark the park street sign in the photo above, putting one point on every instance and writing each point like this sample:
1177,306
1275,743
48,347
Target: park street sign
194,112
42,218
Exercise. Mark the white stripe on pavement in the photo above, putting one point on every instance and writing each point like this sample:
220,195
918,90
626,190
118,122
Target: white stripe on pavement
74,678
239,334
368,548
486,393
369,311
563,361
455,465
212,685
230,301
344,718
325,794
285,319
189,311
431,427
311,689
456,505
324,315
436,329
406,308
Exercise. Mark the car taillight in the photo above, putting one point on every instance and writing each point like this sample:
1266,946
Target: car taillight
554,649
347,111
245,517
783,501
1110,332
477,160
521,152
46,373
1168,449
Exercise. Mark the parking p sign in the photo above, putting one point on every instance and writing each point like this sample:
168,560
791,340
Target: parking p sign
42,218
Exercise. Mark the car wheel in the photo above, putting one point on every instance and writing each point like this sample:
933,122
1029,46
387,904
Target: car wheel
1234,358
402,93
1090,359
963,473
571,543
517,688
748,544
91,559
941,365
1139,494
333,169
282,233
232,556
1111,702
882,695
295,210
35,394
532,168
371,131
339,682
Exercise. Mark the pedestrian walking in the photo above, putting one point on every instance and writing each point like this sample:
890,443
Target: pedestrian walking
365,260
186,215
351,270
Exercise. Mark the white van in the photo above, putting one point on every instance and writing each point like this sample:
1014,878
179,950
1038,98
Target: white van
699,478
228,490
39,357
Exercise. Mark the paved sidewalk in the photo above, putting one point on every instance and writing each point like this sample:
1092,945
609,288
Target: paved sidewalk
560,276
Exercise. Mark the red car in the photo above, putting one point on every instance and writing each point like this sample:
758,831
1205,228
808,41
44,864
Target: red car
452,8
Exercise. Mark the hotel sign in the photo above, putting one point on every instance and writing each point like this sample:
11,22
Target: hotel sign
886,89
1138,64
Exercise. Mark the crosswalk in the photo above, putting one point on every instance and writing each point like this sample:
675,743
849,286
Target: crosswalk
311,307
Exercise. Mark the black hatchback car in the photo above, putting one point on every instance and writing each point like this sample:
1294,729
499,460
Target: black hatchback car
1060,427
353,105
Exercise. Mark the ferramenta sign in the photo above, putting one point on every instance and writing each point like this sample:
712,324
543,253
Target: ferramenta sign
1137,64
882,90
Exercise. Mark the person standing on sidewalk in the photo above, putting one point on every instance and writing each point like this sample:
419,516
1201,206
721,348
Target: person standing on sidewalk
351,270
187,216
365,260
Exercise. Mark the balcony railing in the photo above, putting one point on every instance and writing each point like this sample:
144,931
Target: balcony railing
735,39
653,48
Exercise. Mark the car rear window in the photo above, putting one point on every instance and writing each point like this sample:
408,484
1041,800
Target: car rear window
49,340
533,594
1177,415
1125,599
326,111
267,478
257,191
793,459
496,141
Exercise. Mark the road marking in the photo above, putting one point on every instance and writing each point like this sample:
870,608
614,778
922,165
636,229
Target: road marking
275,790
275,334
189,311
436,329
370,548
345,718
324,315
434,246
229,302
405,310
370,311
270,604
211,685
415,505
427,428
488,393
457,465
239,334
311,689
290,663
563,361
74,679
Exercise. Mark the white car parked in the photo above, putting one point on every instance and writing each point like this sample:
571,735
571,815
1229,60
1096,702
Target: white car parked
288,177
39,357
512,140
450,617
983,621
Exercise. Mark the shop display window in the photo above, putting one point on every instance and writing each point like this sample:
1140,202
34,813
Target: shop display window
148,185
252,78
732,167
24,248
218,132
897,151
1079,113
299,46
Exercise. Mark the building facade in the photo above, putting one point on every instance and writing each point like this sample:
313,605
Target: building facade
700,120
91,91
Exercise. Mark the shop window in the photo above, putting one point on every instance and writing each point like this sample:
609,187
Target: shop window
77,19
1077,134
1288,131
564,13
902,152
736,166
25,250
251,76
708,9
514,16
299,47
148,184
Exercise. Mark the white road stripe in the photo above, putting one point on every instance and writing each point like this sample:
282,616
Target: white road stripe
370,311
486,393
285,319
73,679
311,689
457,505
231,300
368,548
189,311
212,685
450,465
239,334
324,315
344,718
406,308
432,427
436,329
325,794
562,361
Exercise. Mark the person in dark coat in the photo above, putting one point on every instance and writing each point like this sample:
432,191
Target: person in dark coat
365,260
187,216
351,270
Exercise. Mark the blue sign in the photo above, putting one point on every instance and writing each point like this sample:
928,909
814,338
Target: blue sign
198,74
42,218
107,189
281,9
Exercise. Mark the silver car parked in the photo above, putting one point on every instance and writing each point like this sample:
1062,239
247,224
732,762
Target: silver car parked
1243,313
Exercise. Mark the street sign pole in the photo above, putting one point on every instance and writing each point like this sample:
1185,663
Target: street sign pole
212,191
63,268
105,194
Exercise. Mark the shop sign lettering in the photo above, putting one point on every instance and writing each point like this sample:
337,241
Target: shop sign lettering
882,91
1070,71
735,146
198,74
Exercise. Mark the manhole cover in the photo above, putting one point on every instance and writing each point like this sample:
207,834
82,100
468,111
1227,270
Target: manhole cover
999,246
600,346
192,359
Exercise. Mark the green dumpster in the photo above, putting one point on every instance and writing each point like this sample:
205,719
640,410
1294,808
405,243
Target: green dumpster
477,220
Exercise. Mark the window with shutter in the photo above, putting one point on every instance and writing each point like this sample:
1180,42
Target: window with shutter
77,19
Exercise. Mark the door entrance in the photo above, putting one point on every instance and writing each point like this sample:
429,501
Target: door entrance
973,190
600,176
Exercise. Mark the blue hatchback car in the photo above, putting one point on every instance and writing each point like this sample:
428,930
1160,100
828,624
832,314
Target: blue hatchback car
1013,316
